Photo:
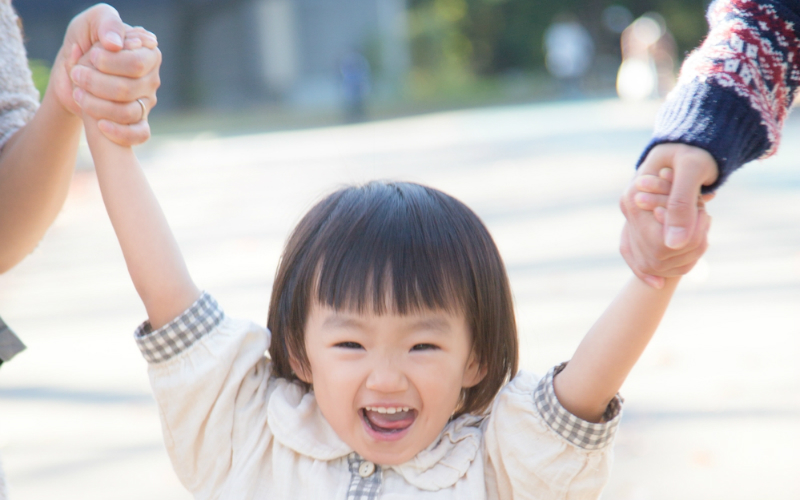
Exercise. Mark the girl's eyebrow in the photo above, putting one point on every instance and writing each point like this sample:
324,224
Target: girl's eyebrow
336,321
435,324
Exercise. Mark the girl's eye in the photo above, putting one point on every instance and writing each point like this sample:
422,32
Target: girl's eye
349,345
424,347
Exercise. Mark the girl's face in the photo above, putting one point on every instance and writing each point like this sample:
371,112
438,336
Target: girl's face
388,383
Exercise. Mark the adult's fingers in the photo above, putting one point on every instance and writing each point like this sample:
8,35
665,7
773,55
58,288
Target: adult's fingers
123,113
134,63
125,135
112,87
692,169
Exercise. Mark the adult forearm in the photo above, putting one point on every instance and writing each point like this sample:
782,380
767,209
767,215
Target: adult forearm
36,167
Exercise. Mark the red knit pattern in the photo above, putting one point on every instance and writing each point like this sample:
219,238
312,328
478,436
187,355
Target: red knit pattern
738,55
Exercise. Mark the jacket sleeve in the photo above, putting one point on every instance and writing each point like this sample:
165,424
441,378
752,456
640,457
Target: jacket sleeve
735,91
210,379
19,99
536,449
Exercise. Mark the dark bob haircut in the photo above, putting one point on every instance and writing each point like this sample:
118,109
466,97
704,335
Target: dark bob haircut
410,245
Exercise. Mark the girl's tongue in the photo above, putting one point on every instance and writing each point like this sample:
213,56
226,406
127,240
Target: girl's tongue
389,422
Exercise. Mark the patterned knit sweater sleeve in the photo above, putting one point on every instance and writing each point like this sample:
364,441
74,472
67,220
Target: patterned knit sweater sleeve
735,91
19,99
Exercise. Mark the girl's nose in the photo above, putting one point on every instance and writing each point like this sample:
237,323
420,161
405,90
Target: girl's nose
386,377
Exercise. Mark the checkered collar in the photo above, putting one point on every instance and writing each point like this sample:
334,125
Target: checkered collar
297,423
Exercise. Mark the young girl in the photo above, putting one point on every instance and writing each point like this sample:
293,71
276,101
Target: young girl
392,364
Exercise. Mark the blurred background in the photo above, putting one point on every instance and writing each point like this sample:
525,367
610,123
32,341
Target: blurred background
279,63
531,112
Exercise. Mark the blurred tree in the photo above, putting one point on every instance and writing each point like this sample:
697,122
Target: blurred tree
192,14
489,37
40,72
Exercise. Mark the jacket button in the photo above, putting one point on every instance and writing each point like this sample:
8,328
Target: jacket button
366,468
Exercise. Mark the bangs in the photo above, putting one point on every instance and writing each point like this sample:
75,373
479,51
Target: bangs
392,248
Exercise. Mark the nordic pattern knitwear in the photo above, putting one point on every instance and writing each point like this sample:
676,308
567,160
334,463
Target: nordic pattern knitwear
735,91
19,99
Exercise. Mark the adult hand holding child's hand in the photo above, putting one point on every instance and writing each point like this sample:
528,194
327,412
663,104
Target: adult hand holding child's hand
109,87
666,228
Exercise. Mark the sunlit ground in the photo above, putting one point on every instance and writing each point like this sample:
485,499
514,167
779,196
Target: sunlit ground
712,410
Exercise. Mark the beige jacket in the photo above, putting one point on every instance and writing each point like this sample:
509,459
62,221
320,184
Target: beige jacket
233,432
19,99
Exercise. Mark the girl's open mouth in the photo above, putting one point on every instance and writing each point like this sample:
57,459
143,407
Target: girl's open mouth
385,426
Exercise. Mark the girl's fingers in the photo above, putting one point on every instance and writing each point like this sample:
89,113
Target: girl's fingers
649,201
682,264
122,113
125,135
133,43
660,214
667,174
148,39
653,184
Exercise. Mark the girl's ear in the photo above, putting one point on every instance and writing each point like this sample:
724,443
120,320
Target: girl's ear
299,370
473,372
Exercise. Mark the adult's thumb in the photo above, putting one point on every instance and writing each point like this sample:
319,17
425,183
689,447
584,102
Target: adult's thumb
682,205
109,26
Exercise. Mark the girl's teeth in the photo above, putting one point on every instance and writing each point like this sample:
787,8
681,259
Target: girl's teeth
390,411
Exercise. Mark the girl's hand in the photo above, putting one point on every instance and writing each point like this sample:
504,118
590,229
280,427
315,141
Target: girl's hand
649,197
648,245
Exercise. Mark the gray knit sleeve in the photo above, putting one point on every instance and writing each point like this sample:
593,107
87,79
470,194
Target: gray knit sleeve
19,99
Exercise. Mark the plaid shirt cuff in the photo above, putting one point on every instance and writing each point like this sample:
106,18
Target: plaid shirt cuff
181,333
10,345
583,434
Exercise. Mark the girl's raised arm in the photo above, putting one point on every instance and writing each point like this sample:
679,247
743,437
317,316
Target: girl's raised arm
151,253
613,345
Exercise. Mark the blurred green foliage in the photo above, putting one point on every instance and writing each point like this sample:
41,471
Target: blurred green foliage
41,74
455,42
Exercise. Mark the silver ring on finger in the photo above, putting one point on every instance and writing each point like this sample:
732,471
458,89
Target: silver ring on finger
144,109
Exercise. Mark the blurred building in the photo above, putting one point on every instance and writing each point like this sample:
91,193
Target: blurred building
233,53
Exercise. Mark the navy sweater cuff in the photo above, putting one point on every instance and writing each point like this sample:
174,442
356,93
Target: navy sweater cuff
713,118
